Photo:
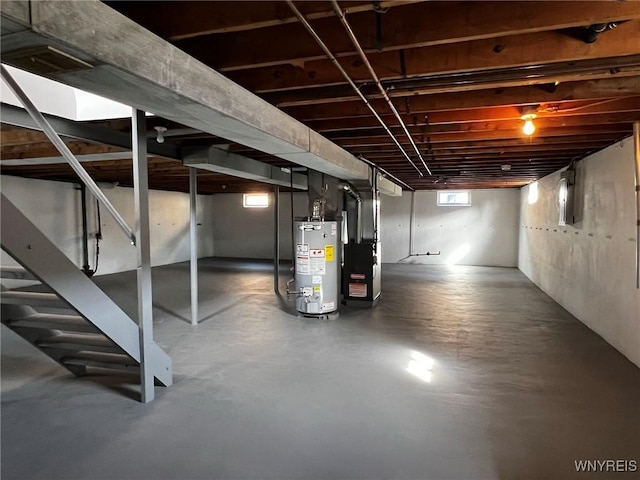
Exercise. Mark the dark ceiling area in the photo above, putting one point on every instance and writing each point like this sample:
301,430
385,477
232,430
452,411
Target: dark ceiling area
462,77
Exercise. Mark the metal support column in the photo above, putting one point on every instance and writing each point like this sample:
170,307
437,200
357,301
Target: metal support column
193,235
636,145
276,239
145,300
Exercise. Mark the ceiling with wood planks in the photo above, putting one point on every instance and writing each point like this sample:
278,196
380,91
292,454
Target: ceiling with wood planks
460,74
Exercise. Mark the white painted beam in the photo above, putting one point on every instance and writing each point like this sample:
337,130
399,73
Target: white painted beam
387,187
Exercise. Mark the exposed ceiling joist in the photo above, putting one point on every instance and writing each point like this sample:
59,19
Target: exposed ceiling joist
83,131
460,74
589,90
412,26
494,53
220,19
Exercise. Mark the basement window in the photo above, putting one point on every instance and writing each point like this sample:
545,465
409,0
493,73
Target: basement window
255,200
454,198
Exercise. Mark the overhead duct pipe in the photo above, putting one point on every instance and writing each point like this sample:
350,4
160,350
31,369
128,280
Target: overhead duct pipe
352,191
353,85
383,92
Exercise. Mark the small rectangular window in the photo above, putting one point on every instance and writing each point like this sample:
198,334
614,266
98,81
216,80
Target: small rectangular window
454,198
255,200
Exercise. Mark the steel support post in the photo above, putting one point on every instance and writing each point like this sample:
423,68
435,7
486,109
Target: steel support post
145,300
636,150
276,239
193,236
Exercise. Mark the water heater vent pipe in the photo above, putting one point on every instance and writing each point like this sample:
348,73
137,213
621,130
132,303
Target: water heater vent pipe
352,191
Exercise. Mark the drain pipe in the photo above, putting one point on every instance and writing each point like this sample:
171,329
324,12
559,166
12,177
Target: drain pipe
636,141
363,56
86,269
353,85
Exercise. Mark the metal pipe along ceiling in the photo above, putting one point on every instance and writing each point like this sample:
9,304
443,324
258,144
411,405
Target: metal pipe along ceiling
383,92
348,79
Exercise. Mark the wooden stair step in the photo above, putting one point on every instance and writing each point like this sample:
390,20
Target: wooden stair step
51,321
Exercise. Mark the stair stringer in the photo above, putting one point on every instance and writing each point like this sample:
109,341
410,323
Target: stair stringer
36,253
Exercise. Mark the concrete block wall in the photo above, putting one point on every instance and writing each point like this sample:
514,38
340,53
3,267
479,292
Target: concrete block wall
248,232
484,233
588,267
54,207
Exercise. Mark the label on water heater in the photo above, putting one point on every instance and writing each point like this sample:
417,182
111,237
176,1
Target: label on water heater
302,265
328,306
316,279
317,266
328,253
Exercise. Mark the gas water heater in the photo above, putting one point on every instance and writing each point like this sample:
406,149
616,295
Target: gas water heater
317,266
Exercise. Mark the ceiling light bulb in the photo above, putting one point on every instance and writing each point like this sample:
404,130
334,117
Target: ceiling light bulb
160,137
528,128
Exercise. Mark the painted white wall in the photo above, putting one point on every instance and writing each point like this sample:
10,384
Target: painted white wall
54,207
589,267
485,233
248,232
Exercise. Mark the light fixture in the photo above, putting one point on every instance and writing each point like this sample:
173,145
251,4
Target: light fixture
160,137
506,167
528,128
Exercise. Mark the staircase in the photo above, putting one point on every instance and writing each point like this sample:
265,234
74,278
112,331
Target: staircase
74,322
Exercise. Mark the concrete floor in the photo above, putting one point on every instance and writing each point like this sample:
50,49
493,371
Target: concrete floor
518,389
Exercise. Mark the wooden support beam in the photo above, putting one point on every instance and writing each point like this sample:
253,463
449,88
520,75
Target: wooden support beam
493,53
411,26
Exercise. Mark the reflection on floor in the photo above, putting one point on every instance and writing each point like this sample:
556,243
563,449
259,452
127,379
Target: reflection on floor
460,372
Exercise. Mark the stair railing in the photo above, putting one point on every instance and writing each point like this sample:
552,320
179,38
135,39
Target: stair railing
51,134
